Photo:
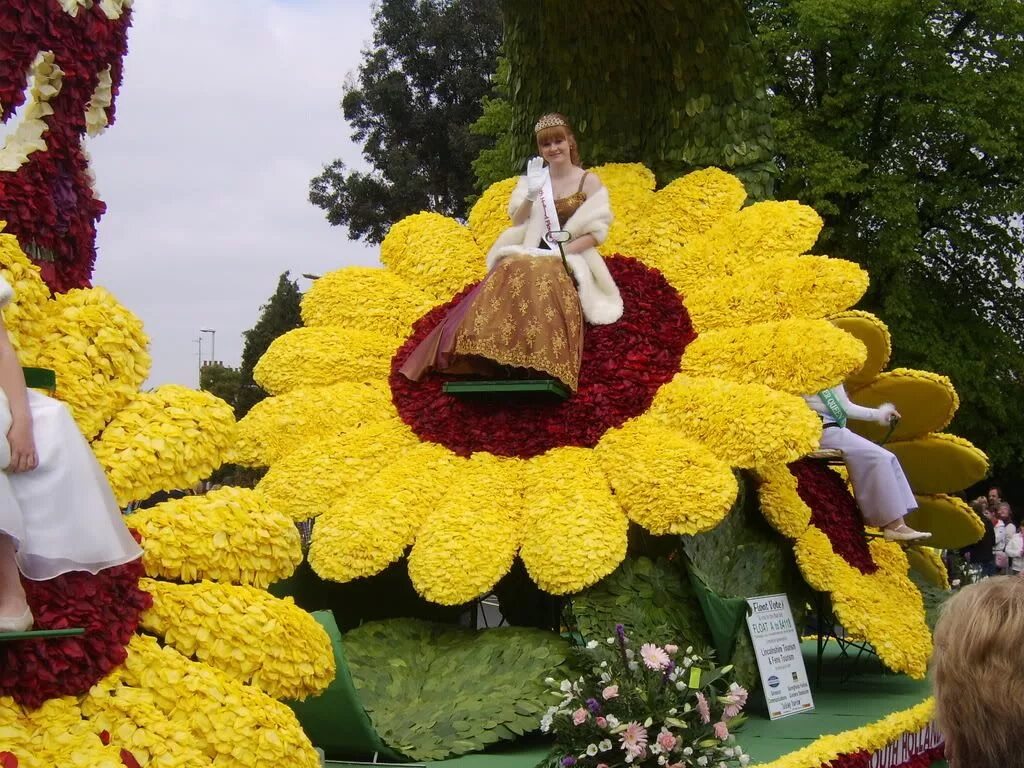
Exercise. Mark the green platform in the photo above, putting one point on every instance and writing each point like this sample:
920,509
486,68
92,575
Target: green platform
505,387
868,696
40,634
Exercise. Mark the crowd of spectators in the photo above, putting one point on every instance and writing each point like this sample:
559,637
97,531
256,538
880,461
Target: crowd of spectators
1001,549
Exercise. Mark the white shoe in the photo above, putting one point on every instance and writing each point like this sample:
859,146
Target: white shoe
21,623
904,532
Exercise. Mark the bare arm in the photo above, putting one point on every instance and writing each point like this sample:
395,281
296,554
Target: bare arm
12,381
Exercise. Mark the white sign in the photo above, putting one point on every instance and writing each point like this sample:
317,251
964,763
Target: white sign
777,648
907,747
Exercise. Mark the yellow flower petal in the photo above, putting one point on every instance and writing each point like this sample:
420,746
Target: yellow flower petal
217,624
940,463
471,538
311,479
926,401
314,357
744,425
364,299
631,193
796,356
781,504
575,532
372,526
278,425
797,286
434,253
664,482
952,523
875,336
927,561
489,217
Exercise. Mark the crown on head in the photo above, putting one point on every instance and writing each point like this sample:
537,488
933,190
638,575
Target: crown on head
549,121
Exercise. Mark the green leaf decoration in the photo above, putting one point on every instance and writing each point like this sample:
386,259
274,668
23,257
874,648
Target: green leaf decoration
652,599
434,691
744,557
934,598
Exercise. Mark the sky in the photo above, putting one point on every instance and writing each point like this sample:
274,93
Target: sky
226,111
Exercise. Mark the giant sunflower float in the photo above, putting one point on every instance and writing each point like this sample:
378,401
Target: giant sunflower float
184,653
727,322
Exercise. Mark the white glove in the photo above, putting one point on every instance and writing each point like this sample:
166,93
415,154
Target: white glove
534,178
887,413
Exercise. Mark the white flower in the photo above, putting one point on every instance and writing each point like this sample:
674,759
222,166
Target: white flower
687,751
738,750
662,760
591,749
604,745
610,641
744,759
613,721
702,761
592,645
634,666
565,686
604,664
629,757
605,677
545,723
629,653
673,711
549,681
681,685
689,649
687,662
729,752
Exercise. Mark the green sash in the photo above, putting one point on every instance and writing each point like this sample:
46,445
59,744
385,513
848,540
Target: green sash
835,408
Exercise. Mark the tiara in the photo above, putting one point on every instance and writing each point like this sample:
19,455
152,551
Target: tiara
549,121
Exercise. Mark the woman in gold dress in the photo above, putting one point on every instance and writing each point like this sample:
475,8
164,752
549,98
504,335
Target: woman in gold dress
528,312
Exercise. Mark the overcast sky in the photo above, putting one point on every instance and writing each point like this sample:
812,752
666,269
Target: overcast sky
227,110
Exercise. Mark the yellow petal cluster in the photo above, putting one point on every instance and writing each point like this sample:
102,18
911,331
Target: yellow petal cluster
170,437
951,522
796,286
781,504
369,529
471,539
227,535
311,479
98,350
745,425
25,315
884,607
53,735
364,299
928,562
312,357
869,738
279,425
876,338
575,532
631,192
28,137
233,724
489,216
434,253
940,463
798,356
664,482
244,632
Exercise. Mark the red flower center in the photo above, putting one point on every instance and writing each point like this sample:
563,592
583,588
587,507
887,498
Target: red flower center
834,511
107,606
622,367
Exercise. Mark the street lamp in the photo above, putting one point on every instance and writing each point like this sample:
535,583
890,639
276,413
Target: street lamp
213,342
310,276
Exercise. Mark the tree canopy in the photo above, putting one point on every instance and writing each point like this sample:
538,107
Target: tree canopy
418,89
902,123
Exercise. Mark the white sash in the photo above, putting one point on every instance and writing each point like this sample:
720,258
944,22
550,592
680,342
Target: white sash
547,203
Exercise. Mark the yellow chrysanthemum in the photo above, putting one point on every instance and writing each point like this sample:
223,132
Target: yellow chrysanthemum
668,470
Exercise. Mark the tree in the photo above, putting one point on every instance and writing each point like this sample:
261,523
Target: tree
418,90
903,125
220,380
279,315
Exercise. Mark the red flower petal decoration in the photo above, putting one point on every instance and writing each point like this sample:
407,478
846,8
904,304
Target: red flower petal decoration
107,605
623,366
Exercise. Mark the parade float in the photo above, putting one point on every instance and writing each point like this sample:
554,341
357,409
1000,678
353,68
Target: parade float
679,480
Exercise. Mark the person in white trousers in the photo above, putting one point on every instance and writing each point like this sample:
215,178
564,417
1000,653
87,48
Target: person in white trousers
879,484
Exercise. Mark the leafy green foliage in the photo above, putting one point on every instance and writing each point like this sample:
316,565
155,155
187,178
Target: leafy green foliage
744,557
418,90
220,380
652,599
934,598
433,691
281,313
676,86
903,125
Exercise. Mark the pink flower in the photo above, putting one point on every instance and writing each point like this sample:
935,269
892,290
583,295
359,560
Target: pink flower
671,649
634,739
721,731
601,722
610,692
730,711
703,709
666,740
602,765
736,698
579,717
653,656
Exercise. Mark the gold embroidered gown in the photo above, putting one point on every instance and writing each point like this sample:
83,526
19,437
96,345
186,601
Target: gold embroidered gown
525,313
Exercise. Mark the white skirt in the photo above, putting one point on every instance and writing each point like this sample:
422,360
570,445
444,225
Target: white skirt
62,515
879,485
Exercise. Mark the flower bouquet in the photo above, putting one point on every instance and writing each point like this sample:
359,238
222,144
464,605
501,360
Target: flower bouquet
655,706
